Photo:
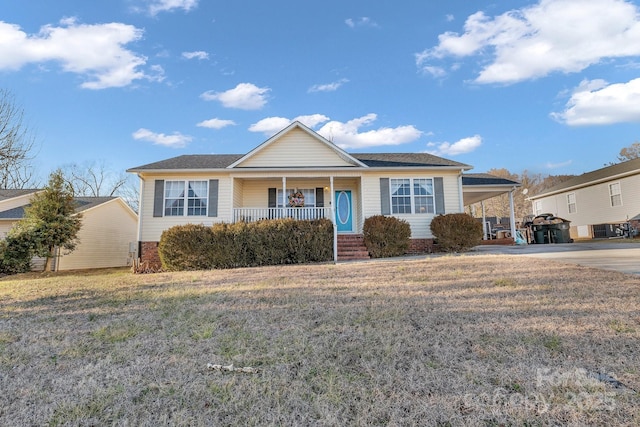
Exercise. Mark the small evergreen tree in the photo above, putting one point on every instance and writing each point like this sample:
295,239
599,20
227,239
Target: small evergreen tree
50,220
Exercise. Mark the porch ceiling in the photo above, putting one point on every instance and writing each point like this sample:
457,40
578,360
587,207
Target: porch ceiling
478,193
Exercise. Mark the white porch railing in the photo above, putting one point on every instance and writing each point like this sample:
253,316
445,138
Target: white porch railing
257,214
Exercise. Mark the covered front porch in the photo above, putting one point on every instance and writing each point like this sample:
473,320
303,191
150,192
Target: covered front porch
300,198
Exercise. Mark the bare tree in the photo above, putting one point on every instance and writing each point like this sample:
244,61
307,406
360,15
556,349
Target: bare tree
629,153
96,179
16,145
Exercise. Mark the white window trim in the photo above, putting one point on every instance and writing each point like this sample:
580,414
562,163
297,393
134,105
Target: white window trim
611,194
311,193
412,196
185,198
569,203
537,207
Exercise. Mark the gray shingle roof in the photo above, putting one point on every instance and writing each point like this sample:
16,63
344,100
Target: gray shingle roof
394,160
10,194
630,167
82,204
193,161
486,179
221,161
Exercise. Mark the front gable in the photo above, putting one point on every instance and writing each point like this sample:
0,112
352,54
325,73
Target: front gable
297,147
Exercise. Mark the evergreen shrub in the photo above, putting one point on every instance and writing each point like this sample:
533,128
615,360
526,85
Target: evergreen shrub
267,242
386,236
457,232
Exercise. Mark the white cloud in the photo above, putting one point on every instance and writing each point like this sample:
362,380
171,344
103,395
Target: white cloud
361,22
157,6
344,135
449,17
328,87
349,135
175,140
216,123
95,52
595,102
272,125
465,145
195,55
551,36
245,96
550,165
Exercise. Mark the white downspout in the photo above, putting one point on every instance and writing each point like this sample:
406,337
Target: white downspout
512,213
460,193
333,219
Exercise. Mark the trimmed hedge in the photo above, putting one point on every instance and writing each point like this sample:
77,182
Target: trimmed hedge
386,236
268,242
456,232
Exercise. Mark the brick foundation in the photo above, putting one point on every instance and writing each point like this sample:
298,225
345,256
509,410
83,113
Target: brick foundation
420,246
149,256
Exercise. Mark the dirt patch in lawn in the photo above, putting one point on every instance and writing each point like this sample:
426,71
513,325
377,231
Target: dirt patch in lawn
479,340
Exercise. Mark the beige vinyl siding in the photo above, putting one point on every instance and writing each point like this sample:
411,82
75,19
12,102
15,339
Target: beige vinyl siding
153,227
593,203
256,191
297,148
5,226
420,223
105,235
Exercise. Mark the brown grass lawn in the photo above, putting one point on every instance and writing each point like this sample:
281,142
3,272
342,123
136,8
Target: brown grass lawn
452,340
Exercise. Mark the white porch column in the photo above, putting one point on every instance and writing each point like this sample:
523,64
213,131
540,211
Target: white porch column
333,219
484,221
512,213
284,194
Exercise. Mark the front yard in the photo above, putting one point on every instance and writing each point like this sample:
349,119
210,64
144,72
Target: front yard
451,340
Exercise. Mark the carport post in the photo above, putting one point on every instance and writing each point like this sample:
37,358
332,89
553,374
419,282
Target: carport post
513,214
484,221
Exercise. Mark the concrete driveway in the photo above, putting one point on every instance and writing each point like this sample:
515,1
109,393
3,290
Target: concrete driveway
618,256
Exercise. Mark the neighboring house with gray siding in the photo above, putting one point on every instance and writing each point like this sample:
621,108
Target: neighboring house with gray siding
595,202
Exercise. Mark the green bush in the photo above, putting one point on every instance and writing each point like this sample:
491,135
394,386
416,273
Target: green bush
16,252
456,232
186,247
386,236
268,242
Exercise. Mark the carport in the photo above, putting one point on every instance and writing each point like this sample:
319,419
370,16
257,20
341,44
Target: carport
478,187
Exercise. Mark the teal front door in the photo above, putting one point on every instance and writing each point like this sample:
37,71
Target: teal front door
344,211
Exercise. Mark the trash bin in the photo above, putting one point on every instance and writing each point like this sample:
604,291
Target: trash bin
560,233
540,233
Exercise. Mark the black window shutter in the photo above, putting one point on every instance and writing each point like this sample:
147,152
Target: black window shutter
385,198
319,197
158,198
273,199
213,197
438,189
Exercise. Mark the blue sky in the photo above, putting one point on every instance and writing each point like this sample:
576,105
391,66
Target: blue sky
551,87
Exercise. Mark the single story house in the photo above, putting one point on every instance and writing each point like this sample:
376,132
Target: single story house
107,237
598,203
297,173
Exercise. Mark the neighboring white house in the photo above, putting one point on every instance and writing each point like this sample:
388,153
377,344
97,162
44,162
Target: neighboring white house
597,203
297,173
106,239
